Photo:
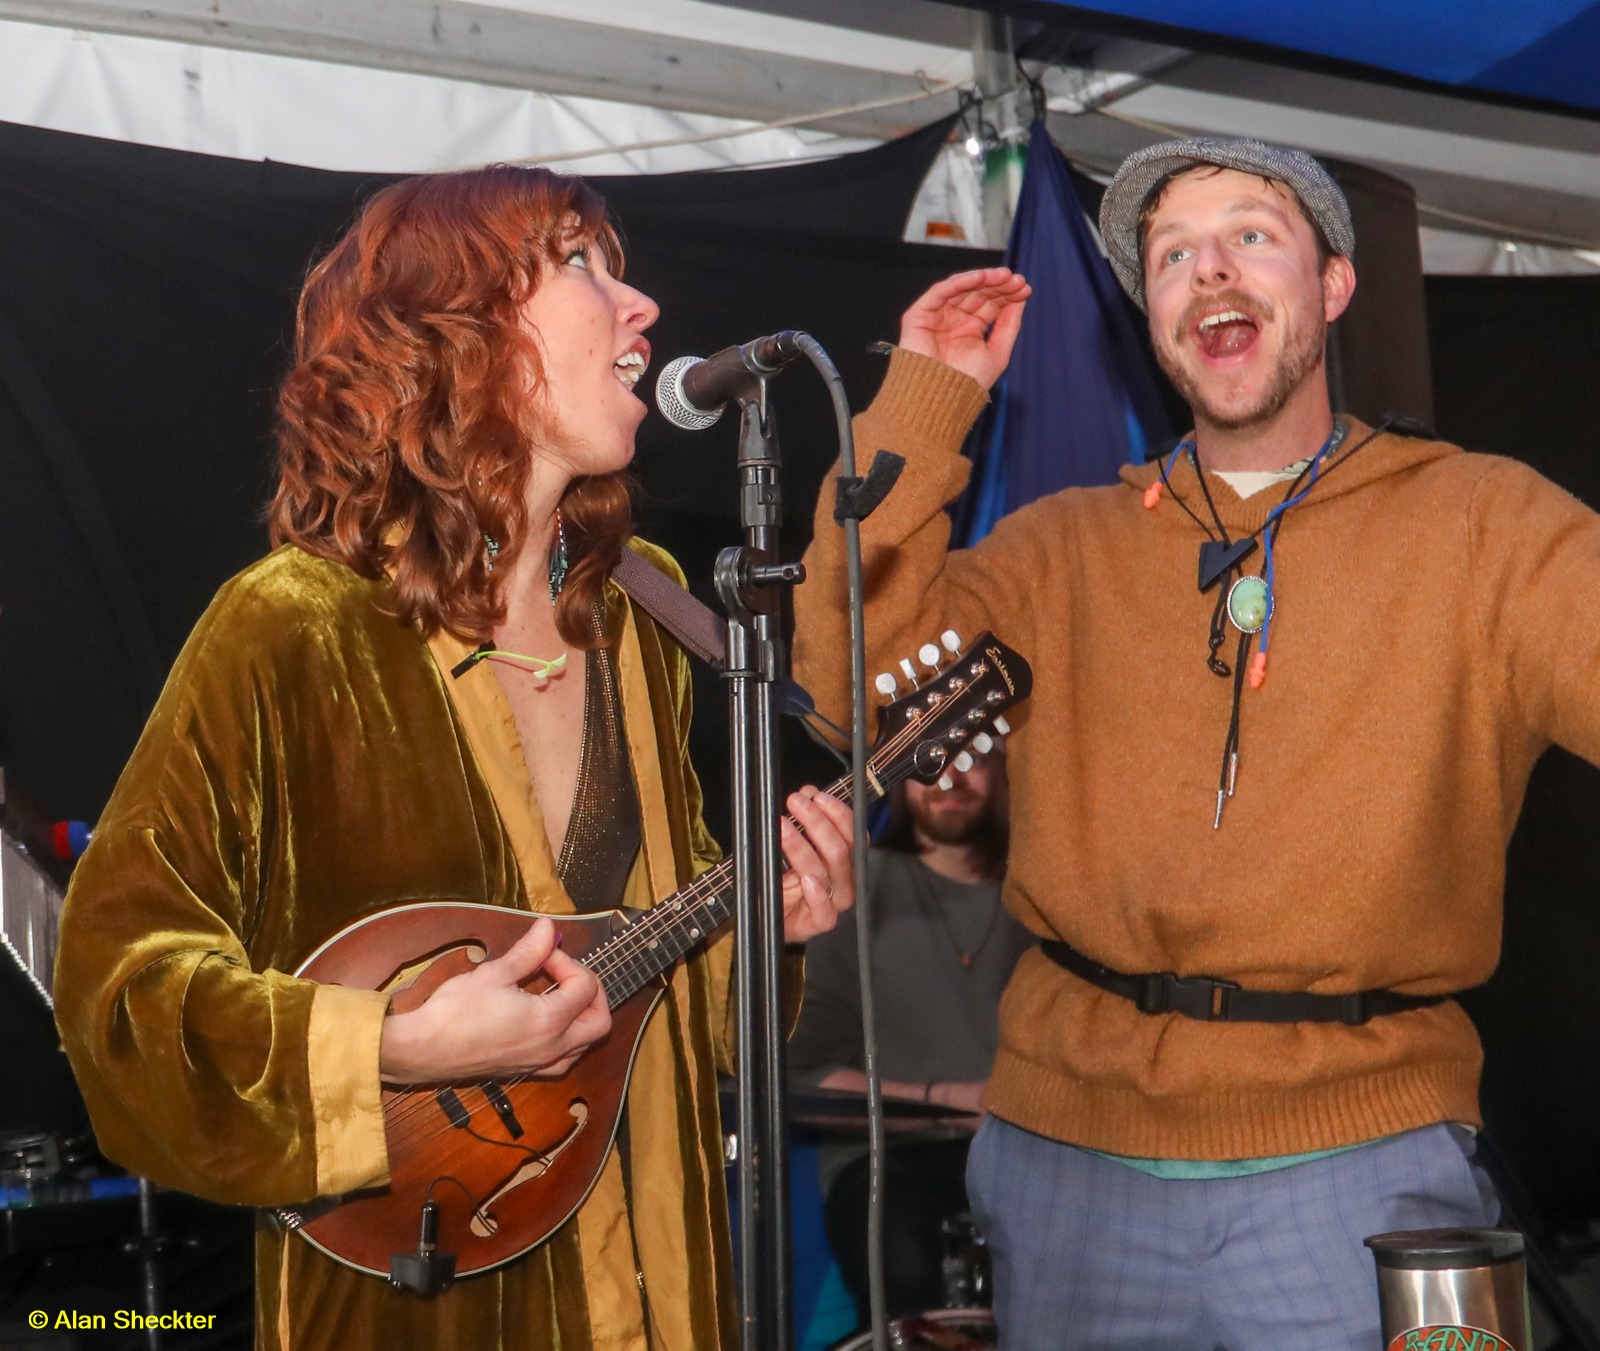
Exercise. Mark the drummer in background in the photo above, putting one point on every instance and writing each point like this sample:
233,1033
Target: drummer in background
942,951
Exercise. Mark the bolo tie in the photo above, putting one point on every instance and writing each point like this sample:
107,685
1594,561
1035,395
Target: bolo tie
1244,600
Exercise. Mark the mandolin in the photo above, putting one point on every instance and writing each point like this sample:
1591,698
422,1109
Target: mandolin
507,1162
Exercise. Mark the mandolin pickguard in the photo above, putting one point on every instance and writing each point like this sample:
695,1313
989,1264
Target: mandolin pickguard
529,1163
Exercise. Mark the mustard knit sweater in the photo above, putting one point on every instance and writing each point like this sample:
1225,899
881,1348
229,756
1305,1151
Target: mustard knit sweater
1437,626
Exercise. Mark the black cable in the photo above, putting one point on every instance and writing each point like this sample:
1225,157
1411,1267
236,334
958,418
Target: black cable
823,740
1194,460
1178,497
860,797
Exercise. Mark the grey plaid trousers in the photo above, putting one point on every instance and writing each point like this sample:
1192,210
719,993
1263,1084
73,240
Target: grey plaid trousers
1090,1254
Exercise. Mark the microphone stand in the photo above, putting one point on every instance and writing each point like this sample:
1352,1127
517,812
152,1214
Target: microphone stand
750,582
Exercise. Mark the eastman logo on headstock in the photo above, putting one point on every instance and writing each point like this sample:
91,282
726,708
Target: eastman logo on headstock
993,654
1449,1337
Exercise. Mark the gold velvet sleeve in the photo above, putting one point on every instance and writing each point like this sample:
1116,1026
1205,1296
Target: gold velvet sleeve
196,1062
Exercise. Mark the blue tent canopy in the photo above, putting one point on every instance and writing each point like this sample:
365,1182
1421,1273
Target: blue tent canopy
1543,49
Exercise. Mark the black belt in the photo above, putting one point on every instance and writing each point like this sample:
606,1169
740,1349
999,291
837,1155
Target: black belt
1221,1001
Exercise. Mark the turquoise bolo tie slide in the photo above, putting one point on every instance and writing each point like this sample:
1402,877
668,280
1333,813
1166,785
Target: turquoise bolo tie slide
1249,604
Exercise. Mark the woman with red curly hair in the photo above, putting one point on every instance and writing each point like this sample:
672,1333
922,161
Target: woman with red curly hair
430,690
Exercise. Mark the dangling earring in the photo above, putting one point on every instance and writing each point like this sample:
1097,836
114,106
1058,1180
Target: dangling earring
492,547
558,560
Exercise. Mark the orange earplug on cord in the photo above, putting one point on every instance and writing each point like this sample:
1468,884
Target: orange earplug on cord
1152,495
1258,670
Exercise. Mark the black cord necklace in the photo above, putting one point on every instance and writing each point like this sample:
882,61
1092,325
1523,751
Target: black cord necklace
930,899
1244,600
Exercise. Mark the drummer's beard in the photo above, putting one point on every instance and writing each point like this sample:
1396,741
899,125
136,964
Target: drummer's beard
960,816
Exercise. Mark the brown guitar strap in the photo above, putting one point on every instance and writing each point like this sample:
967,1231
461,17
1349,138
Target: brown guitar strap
701,630
698,627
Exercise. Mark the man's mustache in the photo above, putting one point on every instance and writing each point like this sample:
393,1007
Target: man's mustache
1258,309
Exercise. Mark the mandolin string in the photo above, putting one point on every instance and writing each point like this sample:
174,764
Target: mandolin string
635,947
405,1120
612,959
421,1100
629,954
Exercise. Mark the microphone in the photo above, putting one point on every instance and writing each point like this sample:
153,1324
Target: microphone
691,392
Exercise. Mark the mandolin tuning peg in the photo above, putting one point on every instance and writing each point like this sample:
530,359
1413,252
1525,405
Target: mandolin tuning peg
909,671
946,782
963,762
951,640
886,684
928,655
983,743
1002,726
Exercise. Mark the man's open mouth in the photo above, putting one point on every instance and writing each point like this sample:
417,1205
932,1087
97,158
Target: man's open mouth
1226,333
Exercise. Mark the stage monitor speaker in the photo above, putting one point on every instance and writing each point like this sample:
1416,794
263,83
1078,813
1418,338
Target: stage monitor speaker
1378,360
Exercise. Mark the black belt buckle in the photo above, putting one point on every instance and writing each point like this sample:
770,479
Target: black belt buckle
1355,1009
1204,998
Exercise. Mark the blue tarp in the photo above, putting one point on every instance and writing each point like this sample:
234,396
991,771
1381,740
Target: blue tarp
1544,49
1078,400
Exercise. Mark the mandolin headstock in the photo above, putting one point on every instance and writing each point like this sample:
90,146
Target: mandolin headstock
949,712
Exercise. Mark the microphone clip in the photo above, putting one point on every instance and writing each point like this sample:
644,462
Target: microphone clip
856,498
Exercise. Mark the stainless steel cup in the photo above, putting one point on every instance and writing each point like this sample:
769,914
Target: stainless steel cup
1452,1290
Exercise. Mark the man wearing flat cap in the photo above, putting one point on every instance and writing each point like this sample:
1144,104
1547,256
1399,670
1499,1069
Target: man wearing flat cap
1289,683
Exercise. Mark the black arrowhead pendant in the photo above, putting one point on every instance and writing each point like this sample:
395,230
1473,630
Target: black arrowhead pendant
1216,558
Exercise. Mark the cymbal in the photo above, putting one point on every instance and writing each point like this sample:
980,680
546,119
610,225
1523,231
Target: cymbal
846,1109
851,1105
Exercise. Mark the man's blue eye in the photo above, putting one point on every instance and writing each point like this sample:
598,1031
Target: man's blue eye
1251,236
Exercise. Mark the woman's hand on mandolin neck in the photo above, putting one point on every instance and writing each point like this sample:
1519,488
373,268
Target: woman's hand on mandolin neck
820,884
482,1025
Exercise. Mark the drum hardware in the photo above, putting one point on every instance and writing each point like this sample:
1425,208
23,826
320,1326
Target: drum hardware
40,1168
27,1157
965,1268
936,1330
147,1248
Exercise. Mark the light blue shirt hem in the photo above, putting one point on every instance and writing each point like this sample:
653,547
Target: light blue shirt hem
1209,1170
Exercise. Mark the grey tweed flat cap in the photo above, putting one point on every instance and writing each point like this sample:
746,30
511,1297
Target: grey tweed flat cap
1119,208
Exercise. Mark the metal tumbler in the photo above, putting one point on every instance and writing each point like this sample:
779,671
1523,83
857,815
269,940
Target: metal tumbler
1452,1290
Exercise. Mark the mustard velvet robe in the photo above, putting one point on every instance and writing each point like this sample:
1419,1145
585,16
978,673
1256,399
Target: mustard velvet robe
311,761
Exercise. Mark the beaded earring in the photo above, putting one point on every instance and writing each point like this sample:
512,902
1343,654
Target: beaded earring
558,560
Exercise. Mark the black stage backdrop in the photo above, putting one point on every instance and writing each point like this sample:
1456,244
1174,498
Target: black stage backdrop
1516,370
145,298
145,303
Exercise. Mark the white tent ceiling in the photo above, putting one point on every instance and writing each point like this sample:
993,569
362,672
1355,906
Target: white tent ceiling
405,85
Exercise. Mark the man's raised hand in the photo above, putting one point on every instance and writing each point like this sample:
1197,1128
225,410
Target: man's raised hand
969,321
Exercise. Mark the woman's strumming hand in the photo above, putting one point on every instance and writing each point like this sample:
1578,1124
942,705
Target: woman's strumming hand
969,321
820,884
483,1024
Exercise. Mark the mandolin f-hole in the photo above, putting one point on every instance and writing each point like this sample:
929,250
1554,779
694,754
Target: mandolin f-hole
412,983
484,1224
